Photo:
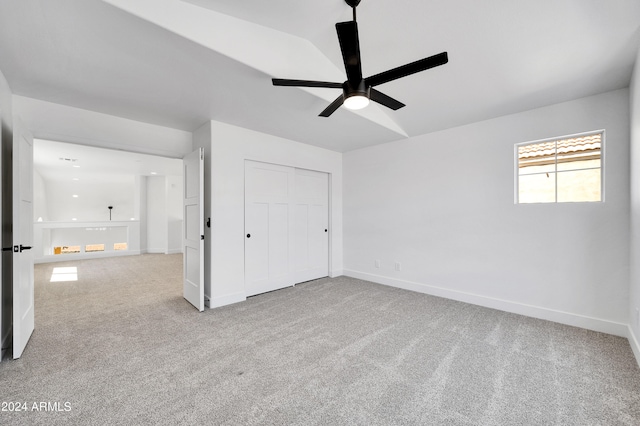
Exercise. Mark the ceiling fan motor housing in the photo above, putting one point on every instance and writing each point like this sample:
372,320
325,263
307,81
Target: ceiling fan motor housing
348,90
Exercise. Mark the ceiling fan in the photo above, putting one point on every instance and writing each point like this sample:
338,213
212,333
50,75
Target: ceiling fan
357,91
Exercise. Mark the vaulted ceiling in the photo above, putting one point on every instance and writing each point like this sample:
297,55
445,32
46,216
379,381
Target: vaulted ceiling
179,63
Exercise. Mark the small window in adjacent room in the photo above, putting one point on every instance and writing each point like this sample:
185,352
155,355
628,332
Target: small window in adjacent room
560,170
66,249
93,247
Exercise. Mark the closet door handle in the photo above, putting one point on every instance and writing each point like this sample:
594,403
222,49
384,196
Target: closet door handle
22,248
248,235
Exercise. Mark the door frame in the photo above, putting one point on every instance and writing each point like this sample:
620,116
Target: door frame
6,215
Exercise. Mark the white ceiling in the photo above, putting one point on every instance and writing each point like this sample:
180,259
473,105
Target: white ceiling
64,162
180,63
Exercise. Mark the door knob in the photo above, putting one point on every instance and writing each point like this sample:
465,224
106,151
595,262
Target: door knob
325,230
248,235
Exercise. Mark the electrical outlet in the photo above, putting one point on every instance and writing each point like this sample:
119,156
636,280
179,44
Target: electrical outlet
377,263
398,266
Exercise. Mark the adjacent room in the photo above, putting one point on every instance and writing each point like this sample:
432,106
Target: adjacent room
330,212
92,202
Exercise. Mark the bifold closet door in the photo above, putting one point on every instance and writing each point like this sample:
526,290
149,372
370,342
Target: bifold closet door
311,225
268,227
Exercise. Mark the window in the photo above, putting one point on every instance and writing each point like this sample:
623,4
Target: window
561,170
89,248
66,249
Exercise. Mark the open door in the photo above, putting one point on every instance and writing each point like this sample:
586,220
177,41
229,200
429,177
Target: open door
193,247
23,294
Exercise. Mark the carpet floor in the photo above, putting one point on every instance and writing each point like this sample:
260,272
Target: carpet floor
120,346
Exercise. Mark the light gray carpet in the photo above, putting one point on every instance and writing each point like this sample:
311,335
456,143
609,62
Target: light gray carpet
123,347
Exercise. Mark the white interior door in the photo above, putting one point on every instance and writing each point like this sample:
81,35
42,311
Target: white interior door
311,219
193,247
23,294
268,227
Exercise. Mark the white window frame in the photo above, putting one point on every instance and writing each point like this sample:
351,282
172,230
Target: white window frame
558,138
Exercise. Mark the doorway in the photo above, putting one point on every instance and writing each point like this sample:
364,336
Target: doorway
105,214
93,202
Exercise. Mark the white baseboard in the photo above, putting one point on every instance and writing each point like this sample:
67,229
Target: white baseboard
336,273
228,299
174,251
635,346
575,320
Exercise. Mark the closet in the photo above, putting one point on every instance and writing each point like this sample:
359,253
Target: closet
286,226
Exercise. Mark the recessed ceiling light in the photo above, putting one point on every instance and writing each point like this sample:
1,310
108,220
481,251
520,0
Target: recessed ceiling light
75,195
76,166
154,173
73,218
75,179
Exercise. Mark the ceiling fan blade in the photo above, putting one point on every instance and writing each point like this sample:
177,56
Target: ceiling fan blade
305,83
405,70
333,107
350,47
385,100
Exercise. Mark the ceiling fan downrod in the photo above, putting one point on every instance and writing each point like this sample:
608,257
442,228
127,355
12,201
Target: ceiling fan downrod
353,4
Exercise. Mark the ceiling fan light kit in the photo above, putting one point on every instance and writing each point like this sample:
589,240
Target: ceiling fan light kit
358,91
355,98
356,102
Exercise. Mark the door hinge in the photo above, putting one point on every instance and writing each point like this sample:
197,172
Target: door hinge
202,237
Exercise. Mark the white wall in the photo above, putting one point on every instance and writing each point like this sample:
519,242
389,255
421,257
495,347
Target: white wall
140,209
442,204
225,154
156,214
117,232
161,232
164,214
92,201
62,123
6,132
634,287
48,235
